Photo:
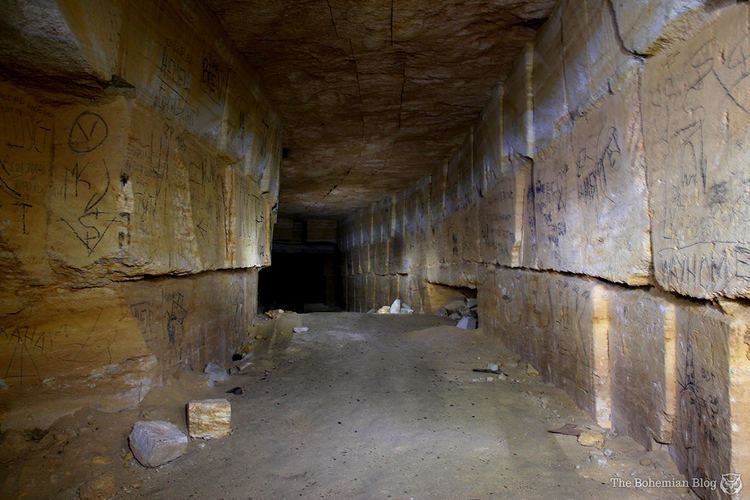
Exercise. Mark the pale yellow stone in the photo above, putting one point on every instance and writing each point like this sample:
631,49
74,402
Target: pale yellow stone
209,418
591,438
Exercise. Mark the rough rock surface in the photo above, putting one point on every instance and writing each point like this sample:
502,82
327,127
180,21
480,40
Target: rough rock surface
141,147
374,94
699,123
156,443
209,418
608,166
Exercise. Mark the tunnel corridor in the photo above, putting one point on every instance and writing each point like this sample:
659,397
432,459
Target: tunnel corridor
374,249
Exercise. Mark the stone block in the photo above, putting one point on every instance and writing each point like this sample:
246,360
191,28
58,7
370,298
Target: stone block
209,418
590,194
559,324
696,119
647,26
500,221
518,110
156,443
592,57
488,137
550,104
713,398
642,350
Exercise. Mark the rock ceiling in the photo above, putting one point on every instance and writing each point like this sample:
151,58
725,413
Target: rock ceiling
374,93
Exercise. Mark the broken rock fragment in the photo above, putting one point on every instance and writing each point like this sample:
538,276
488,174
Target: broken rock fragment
591,438
300,329
406,309
274,313
395,307
157,442
216,373
209,418
467,323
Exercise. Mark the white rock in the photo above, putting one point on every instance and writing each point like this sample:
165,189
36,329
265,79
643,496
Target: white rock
216,373
300,329
492,367
405,309
598,458
384,310
467,323
157,442
396,306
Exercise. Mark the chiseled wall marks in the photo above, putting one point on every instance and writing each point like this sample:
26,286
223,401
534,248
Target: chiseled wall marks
129,200
609,216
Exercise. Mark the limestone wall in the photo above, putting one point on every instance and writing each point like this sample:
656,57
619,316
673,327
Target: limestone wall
597,206
138,189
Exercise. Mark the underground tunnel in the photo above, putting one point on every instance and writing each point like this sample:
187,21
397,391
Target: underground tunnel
379,249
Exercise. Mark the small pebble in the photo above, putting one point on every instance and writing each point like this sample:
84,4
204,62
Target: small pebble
598,459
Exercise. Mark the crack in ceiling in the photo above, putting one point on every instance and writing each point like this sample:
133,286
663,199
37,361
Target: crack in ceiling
374,94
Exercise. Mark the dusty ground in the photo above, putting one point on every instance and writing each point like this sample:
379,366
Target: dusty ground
361,406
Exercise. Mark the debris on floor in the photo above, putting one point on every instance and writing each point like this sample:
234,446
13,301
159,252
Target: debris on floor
236,391
156,442
274,313
467,323
216,373
567,429
530,370
464,311
244,362
492,368
300,329
397,307
209,418
591,438
598,458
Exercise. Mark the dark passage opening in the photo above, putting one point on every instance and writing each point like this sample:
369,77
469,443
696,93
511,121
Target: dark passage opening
304,275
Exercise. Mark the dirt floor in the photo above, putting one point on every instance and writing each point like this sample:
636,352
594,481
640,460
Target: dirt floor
361,406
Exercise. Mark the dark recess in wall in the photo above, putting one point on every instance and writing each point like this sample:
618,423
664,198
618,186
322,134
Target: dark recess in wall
304,275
